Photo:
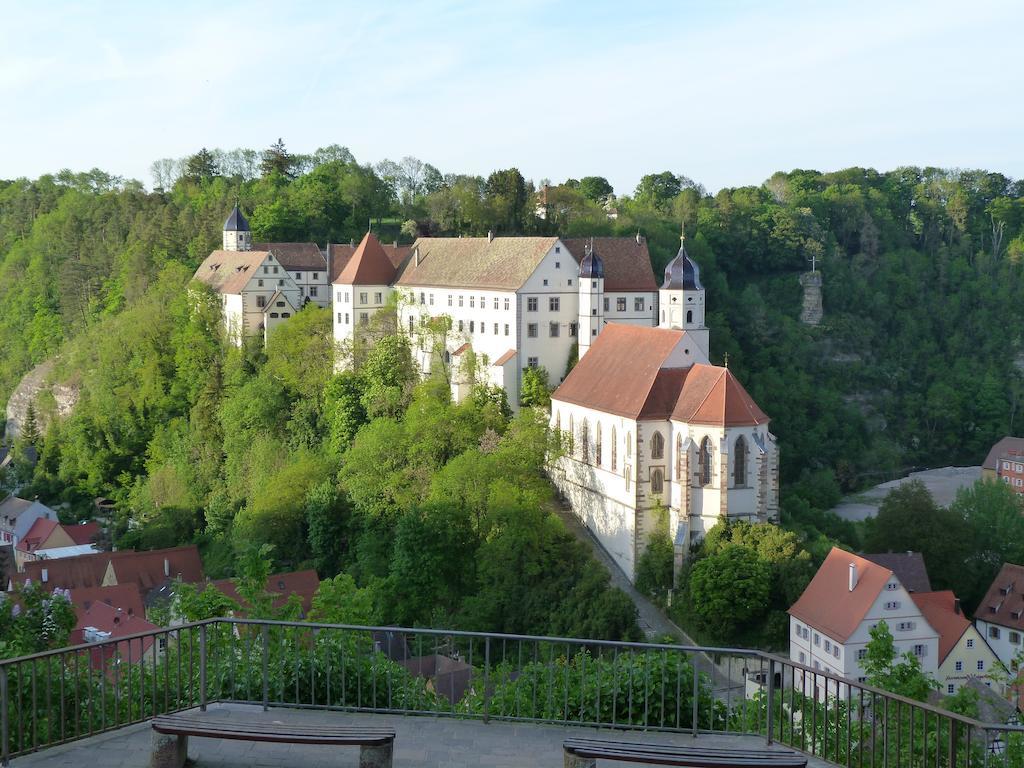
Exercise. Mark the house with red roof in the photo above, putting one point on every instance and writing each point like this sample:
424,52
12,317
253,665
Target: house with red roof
646,421
964,654
1005,463
49,540
281,587
830,623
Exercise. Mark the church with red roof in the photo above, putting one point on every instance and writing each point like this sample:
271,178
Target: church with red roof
647,423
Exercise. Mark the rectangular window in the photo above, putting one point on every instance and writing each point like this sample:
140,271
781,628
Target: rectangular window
449,299
531,330
905,626
862,653
275,270
835,651
638,304
919,650
817,639
495,329
423,298
472,302
431,299
554,303
496,303
803,657
981,665
316,275
506,305
892,585
259,283
483,327
862,679
553,330
302,290
461,326
346,318
892,605
346,297
970,642
545,281
607,304
620,304
364,318
298,275
572,329
959,666
266,270
506,329
531,304
472,326
339,317
312,290
483,302
993,632
1015,638
280,282
532,362
378,298
364,297
261,301
411,326
558,265
569,282
950,688
828,646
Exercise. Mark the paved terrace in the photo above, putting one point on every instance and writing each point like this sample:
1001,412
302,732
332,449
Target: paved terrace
422,741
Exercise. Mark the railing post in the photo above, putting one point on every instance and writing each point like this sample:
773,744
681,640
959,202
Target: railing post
771,698
202,668
694,704
487,678
5,747
266,666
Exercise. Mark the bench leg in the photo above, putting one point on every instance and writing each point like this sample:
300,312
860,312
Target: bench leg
376,757
169,751
575,761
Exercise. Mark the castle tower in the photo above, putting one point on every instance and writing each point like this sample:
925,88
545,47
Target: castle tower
591,290
681,299
237,236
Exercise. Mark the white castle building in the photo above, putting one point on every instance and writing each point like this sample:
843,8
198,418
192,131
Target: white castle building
647,421
516,302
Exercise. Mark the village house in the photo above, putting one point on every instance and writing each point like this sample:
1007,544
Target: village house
49,540
1000,615
963,653
1005,463
647,423
17,516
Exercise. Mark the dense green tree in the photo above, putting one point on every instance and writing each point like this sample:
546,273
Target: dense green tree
534,390
201,166
595,188
276,160
729,590
328,519
887,670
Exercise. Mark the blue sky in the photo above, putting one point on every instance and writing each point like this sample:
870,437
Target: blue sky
724,92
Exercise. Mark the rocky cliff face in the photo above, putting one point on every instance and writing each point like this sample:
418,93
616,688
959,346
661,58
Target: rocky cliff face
813,310
51,399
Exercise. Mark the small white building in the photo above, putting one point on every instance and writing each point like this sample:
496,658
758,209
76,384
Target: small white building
830,623
17,516
963,653
256,289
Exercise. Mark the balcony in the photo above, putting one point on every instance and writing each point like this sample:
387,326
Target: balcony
484,699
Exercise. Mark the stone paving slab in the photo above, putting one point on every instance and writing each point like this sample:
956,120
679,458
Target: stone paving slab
423,741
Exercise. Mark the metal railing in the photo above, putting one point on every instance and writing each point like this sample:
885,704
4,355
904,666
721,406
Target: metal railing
59,696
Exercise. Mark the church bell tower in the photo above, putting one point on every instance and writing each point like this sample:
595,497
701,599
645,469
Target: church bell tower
591,298
237,236
681,298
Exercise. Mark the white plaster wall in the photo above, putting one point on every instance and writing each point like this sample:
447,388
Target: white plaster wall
1005,650
308,280
948,674
904,640
647,316
561,272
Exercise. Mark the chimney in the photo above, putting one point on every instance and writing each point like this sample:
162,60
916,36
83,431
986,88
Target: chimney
46,575
490,235
956,605
167,568
396,244
639,238
853,576
416,256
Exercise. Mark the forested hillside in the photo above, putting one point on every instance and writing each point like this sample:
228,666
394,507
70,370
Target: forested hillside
917,361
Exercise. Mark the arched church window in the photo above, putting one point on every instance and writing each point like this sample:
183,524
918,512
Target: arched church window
615,451
571,448
585,442
657,446
679,457
739,462
597,444
689,315
657,480
704,462
629,445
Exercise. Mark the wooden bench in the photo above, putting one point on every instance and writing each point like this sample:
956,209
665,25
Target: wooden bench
584,753
171,732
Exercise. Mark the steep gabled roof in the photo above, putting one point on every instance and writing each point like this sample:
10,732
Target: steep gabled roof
147,570
1006,446
627,263
712,395
339,256
229,271
123,596
83,533
37,535
1003,604
296,256
369,265
621,368
501,263
909,568
828,605
942,611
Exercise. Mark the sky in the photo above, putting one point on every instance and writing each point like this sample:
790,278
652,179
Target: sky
723,92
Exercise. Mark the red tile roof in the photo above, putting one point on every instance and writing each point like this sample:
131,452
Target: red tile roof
118,623
942,611
296,256
712,395
37,534
145,569
506,357
123,596
634,371
1003,604
83,533
229,271
1008,446
369,265
627,263
828,605
282,586
339,255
